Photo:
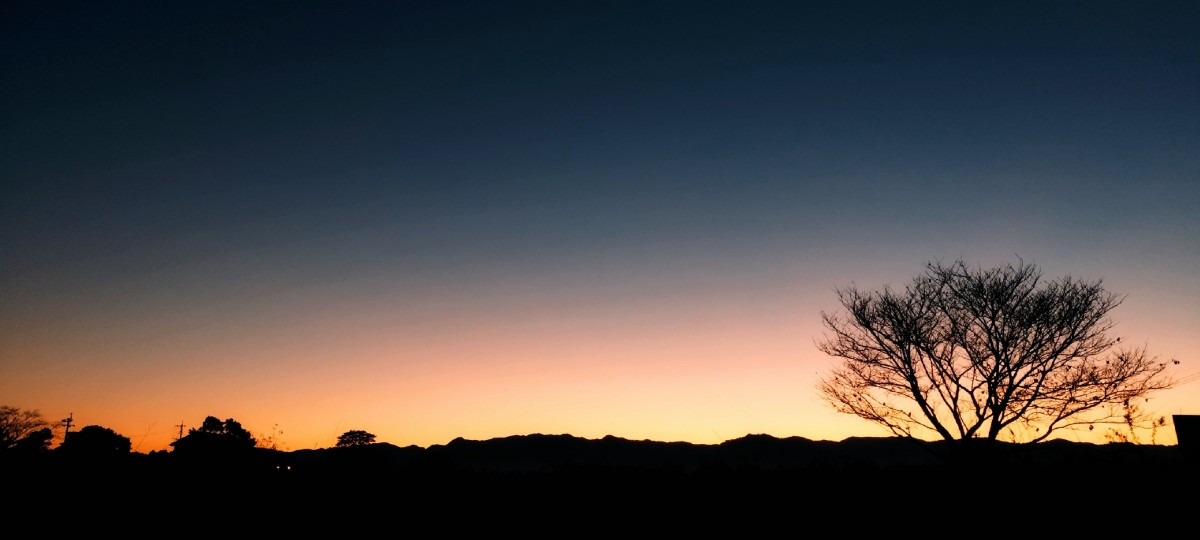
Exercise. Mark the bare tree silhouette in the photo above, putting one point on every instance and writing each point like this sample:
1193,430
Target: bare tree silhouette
17,424
965,352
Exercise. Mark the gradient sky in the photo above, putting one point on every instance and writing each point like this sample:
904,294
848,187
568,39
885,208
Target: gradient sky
443,219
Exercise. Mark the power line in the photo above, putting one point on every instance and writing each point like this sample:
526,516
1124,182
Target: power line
1188,378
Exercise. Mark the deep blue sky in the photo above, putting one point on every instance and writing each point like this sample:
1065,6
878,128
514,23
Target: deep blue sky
236,156
213,125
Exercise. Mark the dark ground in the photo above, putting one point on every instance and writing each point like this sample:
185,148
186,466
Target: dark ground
560,485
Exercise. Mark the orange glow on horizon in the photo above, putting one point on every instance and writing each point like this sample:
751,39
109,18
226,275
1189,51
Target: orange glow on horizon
709,370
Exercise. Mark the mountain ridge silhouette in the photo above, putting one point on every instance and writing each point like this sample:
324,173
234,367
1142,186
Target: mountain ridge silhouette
555,453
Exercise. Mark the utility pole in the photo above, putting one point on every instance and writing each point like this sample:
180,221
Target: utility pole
180,426
68,421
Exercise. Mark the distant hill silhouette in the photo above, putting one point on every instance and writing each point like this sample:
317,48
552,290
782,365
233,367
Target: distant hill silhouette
559,454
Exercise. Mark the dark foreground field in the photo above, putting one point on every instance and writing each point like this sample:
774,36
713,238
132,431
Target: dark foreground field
537,484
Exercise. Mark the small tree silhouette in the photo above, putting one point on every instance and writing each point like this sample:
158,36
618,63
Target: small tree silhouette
355,437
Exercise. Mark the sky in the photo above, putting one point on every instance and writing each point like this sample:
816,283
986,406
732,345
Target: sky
431,220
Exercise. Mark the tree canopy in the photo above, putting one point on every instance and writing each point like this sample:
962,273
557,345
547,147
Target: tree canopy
96,441
967,352
355,437
215,435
